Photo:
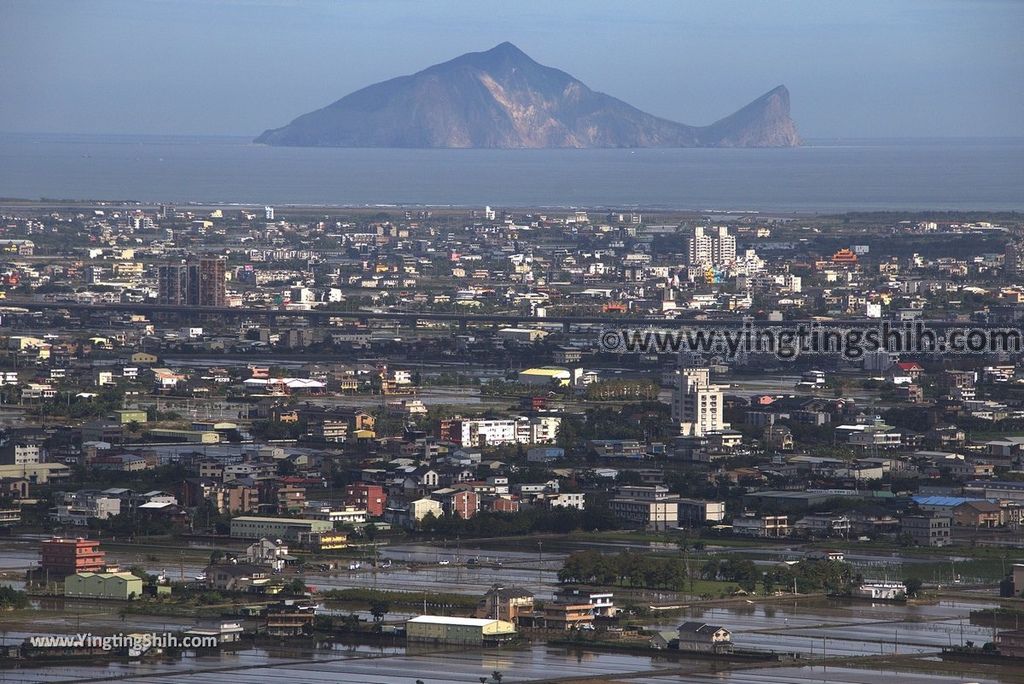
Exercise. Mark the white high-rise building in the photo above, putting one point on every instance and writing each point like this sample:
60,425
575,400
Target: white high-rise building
696,403
723,247
715,248
489,214
268,213
698,248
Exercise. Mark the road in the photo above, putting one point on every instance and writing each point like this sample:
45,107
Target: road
461,318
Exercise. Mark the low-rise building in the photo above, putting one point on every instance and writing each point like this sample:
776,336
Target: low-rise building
824,525
653,508
881,590
77,508
459,503
267,552
236,576
36,473
348,515
698,511
255,527
370,497
927,530
559,616
505,603
619,448
546,376
700,637
443,629
20,453
761,526
1010,643
979,513
223,631
289,618
121,586
602,603
575,500
324,541
62,557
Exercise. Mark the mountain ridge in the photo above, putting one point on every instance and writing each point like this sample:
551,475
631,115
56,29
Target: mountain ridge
502,98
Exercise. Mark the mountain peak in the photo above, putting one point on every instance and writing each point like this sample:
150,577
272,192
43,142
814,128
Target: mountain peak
501,98
506,48
501,54
765,122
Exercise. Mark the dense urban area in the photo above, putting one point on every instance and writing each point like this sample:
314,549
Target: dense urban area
435,428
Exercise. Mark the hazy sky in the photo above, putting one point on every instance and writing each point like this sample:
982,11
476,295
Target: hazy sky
853,67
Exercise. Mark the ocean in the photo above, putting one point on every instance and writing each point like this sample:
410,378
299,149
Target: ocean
822,176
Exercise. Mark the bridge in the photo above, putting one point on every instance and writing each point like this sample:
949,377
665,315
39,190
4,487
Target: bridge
11,305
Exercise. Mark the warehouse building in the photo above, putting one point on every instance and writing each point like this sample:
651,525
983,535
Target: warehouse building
546,376
258,527
120,586
457,630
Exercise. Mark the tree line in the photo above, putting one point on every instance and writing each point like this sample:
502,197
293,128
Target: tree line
626,568
670,572
536,519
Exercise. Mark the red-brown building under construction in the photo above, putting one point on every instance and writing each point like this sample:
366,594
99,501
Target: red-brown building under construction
63,557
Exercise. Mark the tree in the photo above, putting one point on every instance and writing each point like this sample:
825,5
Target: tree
568,434
497,676
913,586
11,599
378,609
141,573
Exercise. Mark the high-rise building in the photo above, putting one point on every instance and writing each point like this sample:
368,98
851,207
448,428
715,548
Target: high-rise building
697,404
206,282
715,248
723,247
198,283
173,285
268,213
1014,257
698,248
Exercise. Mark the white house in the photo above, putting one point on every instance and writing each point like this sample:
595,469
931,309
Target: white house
881,591
267,552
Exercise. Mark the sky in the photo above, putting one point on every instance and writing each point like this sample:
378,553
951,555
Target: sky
864,68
